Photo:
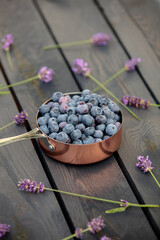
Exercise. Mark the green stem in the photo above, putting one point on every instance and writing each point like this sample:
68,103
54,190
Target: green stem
110,79
4,93
9,59
98,199
21,82
74,235
67,44
112,95
154,105
154,178
7,125
141,205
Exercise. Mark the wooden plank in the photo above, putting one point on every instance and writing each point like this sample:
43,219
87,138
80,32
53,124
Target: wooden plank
146,14
77,178
31,216
135,42
139,137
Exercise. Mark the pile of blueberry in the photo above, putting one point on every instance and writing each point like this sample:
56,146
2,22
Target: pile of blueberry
84,119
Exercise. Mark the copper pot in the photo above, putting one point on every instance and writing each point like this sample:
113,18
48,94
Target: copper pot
70,153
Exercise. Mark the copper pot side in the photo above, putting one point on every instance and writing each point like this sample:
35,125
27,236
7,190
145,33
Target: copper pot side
80,154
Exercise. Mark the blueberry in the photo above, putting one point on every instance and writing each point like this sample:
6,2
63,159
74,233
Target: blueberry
76,134
106,137
89,131
44,129
95,110
95,95
88,140
73,119
118,124
79,117
106,111
53,127
111,129
78,142
101,127
76,98
68,128
53,135
117,117
114,107
64,99
62,118
83,136
62,137
101,119
71,110
71,103
86,98
94,101
82,108
44,109
85,92
63,107
103,101
54,112
97,140
53,104
87,120
62,125
90,105
112,115
47,115
110,121
80,102
52,119
80,126
56,96
98,134
42,121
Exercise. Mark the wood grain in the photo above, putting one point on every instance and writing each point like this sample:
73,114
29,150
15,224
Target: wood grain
31,216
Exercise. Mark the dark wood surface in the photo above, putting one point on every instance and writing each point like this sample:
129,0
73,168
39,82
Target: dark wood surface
38,23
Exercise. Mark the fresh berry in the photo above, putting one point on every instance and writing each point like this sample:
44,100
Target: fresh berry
47,115
89,131
42,121
114,108
62,118
106,137
53,127
53,135
118,124
97,140
68,128
63,107
87,120
117,117
62,125
101,127
103,101
101,119
76,98
111,129
64,99
85,92
87,98
77,142
44,129
94,101
110,121
76,134
88,140
82,108
95,111
56,96
54,112
71,110
62,137
106,111
98,134
44,109
80,126
73,119
52,119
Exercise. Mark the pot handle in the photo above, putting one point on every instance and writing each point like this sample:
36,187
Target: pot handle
29,135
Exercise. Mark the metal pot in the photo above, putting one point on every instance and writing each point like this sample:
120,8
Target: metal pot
70,153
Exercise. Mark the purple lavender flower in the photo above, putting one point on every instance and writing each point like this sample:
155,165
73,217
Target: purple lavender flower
124,203
79,234
7,41
144,163
132,63
105,238
96,225
46,74
135,102
100,39
4,228
21,117
81,67
30,186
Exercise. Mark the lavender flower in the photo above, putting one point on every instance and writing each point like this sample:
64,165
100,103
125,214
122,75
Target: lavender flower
79,234
4,228
21,117
30,186
144,163
81,67
7,42
132,63
124,203
100,39
96,225
105,238
45,74
135,102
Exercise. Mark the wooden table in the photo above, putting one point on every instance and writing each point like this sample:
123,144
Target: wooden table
134,26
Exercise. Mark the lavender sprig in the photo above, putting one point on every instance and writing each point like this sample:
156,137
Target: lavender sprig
45,74
94,226
98,39
7,42
81,67
4,228
18,119
137,102
144,164
105,238
129,66
33,187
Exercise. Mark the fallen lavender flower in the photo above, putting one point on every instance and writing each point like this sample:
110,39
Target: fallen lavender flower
4,228
7,42
98,39
137,102
144,164
45,74
129,66
81,67
30,186
18,119
105,238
